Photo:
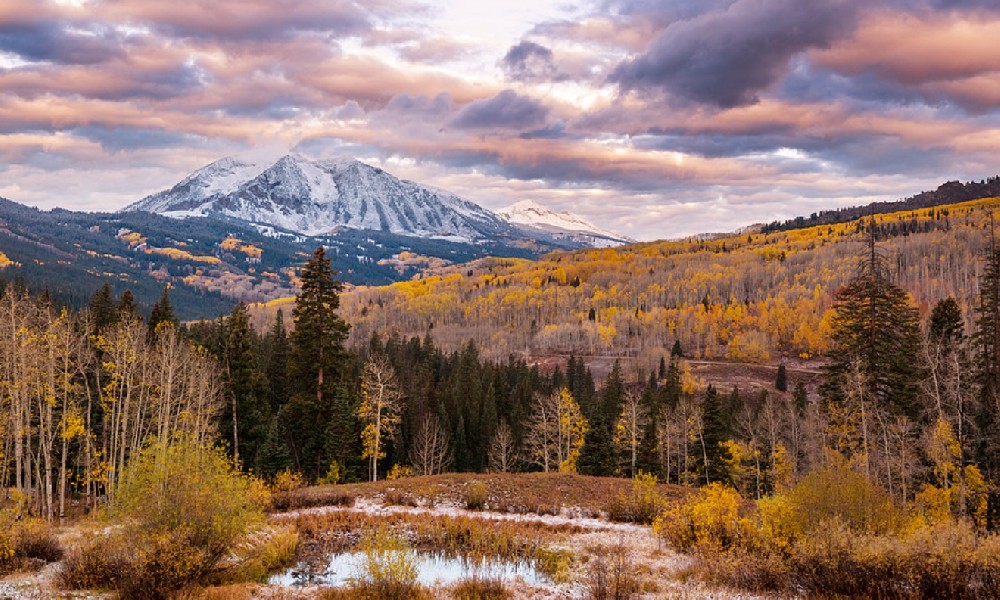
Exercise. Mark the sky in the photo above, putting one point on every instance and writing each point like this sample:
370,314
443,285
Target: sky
652,118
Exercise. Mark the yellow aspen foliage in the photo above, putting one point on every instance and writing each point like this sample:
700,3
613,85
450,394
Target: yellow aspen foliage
709,518
689,383
573,428
739,464
944,452
782,469
775,518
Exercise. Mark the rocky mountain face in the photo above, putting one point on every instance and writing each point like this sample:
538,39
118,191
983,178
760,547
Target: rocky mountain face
317,198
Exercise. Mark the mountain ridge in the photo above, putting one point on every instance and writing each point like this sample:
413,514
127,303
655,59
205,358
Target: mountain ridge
318,197
530,214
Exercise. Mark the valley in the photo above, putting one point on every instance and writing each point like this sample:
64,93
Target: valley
694,417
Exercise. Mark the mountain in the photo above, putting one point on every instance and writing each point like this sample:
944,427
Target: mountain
210,264
530,215
316,198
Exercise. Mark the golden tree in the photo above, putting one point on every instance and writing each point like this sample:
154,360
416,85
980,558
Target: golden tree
379,408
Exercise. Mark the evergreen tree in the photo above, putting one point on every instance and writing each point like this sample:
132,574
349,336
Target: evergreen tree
781,379
987,364
800,397
102,307
273,455
319,365
671,390
246,415
613,393
711,461
876,333
946,328
676,351
599,456
277,364
162,312
648,461
126,307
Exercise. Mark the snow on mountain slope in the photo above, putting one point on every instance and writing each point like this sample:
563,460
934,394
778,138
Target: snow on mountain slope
318,197
528,213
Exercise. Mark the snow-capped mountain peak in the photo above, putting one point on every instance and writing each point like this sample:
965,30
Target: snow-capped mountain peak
530,214
318,197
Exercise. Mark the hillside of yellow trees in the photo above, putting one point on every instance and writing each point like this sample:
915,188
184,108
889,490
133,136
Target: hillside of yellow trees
745,297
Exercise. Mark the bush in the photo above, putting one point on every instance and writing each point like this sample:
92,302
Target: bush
394,497
35,540
611,574
388,567
642,505
709,519
554,564
182,507
820,541
837,492
260,554
190,488
476,496
480,588
288,481
99,564
399,472
25,541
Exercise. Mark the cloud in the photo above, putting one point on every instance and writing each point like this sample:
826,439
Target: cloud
528,61
244,19
60,42
727,57
506,110
117,139
938,58
409,105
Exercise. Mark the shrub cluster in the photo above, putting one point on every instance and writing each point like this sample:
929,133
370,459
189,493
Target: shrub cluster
183,510
834,533
476,495
641,505
25,541
611,574
480,588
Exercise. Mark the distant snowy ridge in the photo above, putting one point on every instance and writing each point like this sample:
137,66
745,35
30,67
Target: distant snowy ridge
319,197
530,214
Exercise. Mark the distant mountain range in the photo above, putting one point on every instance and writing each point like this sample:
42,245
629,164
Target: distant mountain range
238,231
322,197
528,214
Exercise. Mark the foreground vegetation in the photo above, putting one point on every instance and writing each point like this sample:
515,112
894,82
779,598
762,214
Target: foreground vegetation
879,481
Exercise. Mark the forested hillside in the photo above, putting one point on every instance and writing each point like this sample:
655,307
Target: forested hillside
899,443
951,192
750,297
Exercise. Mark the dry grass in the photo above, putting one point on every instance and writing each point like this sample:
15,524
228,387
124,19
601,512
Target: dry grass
341,531
479,588
519,493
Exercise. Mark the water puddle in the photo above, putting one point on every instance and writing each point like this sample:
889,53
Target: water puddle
433,570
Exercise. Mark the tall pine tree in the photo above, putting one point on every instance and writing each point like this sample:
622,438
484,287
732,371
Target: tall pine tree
987,353
162,312
319,415
245,418
876,334
102,307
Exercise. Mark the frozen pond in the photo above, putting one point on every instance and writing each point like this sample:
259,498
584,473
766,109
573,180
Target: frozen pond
432,570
